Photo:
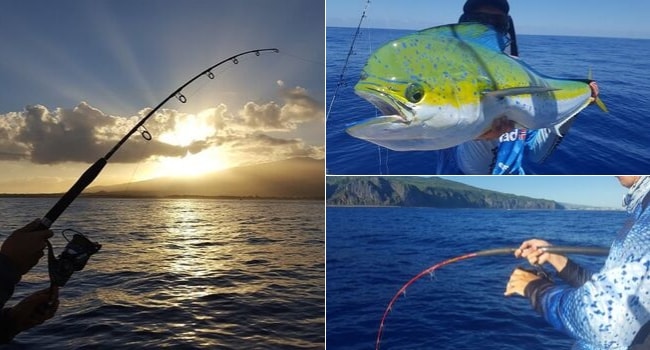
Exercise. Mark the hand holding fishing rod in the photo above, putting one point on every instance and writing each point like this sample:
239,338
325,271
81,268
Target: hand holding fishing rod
79,248
539,252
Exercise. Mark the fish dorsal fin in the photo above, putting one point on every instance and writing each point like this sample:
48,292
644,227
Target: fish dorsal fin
470,32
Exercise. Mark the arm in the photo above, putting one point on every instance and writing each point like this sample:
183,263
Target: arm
609,308
570,272
543,295
9,277
18,254
542,143
29,312
574,274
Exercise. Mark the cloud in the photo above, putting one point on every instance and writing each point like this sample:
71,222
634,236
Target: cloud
260,147
85,133
81,134
298,108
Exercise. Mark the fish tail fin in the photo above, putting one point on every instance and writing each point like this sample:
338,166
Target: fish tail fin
595,95
601,104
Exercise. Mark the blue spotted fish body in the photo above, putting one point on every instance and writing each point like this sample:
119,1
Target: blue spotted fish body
446,85
607,311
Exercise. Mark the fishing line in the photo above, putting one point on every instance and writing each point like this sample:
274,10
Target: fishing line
562,250
347,59
79,249
213,76
341,80
318,63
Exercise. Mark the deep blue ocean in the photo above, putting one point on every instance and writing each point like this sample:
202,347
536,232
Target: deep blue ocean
372,252
183,274
597,143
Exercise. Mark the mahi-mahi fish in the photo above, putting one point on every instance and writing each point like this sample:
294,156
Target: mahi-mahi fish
446,85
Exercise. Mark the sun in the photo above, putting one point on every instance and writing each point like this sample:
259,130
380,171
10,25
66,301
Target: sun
191,165
189,129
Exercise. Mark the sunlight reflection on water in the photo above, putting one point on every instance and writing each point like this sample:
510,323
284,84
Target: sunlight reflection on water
186,273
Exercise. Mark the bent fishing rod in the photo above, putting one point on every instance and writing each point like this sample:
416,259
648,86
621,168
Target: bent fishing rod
562,250
79,249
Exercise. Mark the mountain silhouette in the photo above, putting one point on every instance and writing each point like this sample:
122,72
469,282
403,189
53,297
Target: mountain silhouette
293,178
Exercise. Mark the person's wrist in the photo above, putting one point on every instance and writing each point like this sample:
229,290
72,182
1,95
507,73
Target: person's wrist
558,261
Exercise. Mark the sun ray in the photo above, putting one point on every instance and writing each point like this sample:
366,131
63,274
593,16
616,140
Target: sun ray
191,165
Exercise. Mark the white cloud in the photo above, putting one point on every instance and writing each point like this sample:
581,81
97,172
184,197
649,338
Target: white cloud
85,133
298,108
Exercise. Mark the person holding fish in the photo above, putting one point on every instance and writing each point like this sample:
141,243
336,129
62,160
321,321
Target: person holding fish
609,309
452,88
501,150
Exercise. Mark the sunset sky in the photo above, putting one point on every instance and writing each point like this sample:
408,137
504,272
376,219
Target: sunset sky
77,75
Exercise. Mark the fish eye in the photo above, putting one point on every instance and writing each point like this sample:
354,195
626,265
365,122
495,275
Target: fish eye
414,93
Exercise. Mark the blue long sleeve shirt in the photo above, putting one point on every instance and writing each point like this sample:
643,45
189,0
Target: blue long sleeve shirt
507,155
606,311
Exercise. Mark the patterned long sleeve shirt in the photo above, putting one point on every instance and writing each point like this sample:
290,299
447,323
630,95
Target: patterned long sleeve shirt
604,310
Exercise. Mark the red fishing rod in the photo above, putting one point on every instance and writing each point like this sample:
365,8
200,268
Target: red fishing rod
563,250
79,249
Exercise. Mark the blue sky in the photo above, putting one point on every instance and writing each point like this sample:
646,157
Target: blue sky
621,18
600,191
89,69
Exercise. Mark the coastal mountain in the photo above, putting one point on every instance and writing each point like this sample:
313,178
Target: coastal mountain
299,178
423,192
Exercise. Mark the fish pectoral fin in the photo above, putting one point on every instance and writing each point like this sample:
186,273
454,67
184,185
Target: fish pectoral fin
526,90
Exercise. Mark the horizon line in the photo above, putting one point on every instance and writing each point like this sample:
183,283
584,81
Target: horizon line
520,33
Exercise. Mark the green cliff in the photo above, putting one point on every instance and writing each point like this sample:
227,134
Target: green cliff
422,192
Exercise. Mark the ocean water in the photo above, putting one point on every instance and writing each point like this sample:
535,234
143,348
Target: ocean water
597,143
372,252
184,274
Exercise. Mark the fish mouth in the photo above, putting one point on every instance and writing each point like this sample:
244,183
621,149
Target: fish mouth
388,105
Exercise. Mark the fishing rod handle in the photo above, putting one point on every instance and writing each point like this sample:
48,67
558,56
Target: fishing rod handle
596,251
86,179
556,249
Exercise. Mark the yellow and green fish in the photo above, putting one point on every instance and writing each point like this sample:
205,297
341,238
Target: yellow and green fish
446,85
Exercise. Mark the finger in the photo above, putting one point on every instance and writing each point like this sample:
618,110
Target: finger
533,258
37,255
543,258
32,226
48,233
44,234
525,245
518,273
528,252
